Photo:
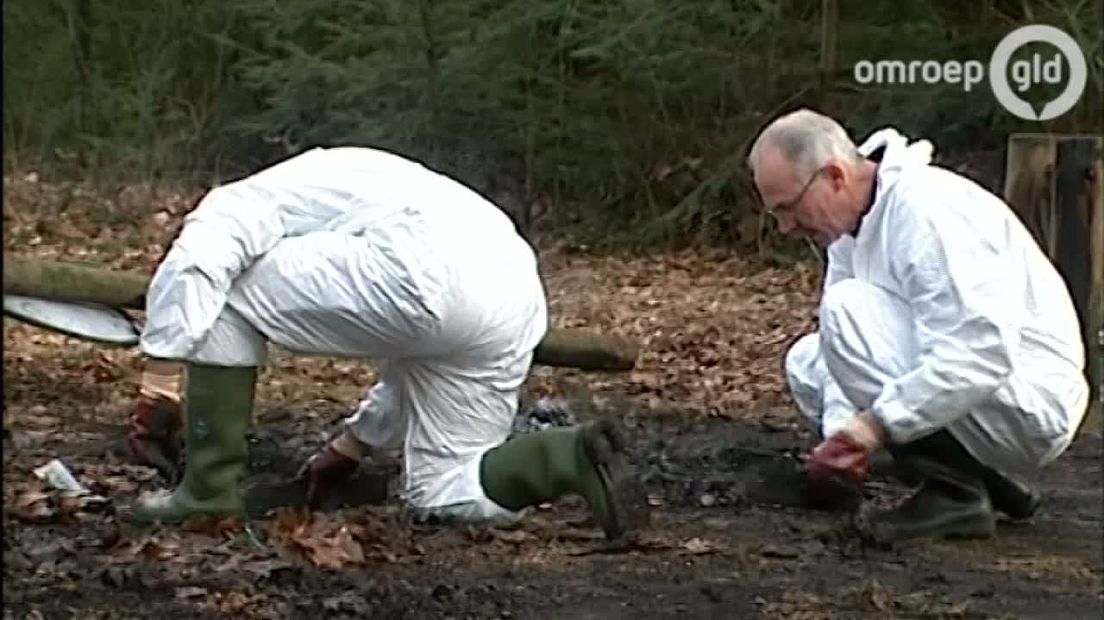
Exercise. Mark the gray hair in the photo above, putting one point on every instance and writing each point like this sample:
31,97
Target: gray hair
806,139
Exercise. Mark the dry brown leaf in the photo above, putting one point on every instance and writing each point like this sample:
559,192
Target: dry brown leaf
698,546
34,506
190,592
105,369
514,536
285,523
232,602
326,545
154,549
219,527
116,480
262,569
72,503
333,551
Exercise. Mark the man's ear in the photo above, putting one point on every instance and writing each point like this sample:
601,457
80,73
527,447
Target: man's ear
837,174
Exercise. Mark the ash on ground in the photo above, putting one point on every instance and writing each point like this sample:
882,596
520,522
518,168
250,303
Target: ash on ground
542,414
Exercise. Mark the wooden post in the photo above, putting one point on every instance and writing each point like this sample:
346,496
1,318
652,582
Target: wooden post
1055,184
1095,328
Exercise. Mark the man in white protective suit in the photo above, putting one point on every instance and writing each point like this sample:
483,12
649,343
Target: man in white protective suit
945,335
359,253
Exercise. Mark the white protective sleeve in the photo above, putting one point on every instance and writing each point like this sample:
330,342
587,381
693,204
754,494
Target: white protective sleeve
966,297
380,421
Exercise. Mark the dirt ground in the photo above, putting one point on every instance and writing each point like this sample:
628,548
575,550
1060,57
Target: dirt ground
710,551
706,408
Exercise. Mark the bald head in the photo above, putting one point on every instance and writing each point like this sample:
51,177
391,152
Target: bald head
806,140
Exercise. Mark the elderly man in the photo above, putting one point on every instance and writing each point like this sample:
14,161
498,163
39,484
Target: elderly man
946,336
355,252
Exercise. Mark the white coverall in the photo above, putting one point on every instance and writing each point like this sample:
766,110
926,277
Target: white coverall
943,313
355,252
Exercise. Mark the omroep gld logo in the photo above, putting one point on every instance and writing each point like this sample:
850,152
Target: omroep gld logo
1025,73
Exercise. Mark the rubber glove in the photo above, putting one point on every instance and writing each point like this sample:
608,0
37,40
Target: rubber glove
840,465
335,463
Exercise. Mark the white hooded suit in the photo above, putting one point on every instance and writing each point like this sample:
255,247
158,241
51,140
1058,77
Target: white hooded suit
942,312
355,252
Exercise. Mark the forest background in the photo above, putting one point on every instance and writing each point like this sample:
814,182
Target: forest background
614,124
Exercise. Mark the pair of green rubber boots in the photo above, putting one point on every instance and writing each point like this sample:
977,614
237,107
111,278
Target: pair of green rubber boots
527,470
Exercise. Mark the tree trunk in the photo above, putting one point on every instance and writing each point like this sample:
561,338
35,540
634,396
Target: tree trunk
425,17
80,24
829,34
569,348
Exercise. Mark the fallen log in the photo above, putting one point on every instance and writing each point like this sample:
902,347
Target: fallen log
126,290
76,282
576,348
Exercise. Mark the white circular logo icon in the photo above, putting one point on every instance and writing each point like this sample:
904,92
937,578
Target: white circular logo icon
1028,72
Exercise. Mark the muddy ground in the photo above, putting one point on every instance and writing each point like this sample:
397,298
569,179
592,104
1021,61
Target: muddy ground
711,552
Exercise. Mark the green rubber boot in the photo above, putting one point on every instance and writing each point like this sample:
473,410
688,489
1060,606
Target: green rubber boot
588,460
220,403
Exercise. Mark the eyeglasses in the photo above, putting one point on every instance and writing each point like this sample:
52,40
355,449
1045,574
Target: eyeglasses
790,205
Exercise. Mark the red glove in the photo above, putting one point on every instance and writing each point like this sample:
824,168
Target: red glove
154,437
836,471
324,471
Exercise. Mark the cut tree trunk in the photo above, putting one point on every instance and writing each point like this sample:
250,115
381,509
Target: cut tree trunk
76,282
575,348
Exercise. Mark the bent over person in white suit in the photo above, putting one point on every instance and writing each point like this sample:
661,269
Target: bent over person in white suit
359,253
945,333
